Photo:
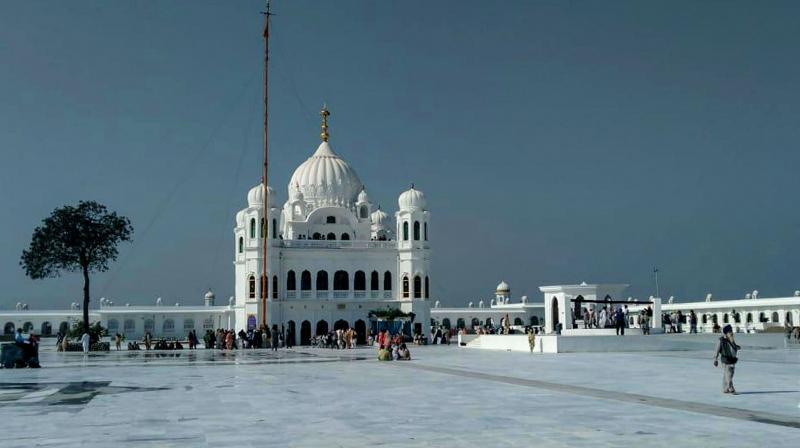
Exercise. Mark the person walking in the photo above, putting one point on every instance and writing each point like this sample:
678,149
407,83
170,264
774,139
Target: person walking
531,339
275,340
85,341
619,321
692,322
726,351
118,341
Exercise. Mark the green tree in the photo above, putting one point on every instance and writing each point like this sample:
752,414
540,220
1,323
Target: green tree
80,238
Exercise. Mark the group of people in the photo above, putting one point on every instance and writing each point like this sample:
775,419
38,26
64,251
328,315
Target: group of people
608,317
390,347
338,339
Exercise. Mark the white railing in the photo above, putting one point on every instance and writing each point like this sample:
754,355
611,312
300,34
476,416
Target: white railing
291,295
305,294
335,244
374,294
322,294
360,295
387,294
341,294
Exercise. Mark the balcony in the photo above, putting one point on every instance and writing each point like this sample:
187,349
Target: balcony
305,294
322,295
336,244
338,295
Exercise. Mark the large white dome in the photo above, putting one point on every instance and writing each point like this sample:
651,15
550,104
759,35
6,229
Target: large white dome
326,179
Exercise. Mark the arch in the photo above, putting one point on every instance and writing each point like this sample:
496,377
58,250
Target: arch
341,281
705,319
9,328
554,314
475,322
427,288
364,211
725,318
188,324
316,236
113,326
387,281
345,237
748,318
405,286
168,326
534,320
426,231
405,230
361,331
149,325
762,317
27,327
251,286
489,322
128,326
291,339
305,281
374,281
241,244
291,281
331,236
446,323
341,324
360,281
417,287
460,323
63,327
416,230
274,228
47,329
330,220
788,319
518,321
578,305
305,332
274,287
322,280
775,317
714,318
252,228
322,328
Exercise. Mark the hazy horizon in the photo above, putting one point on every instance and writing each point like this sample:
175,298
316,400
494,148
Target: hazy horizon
556,142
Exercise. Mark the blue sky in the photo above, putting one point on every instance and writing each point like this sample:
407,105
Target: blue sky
555,141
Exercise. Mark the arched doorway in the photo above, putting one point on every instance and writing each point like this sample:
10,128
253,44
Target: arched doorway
749,318
446,323
578,307
63,327
534,320
305,333
460,323
322,328
47,329
361,332
27,327
9,328
489,322
475,322
789,318
518,321
290,333
775,317
554,314
341,325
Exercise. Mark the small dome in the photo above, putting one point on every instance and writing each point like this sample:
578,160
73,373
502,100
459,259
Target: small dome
210,294
503,287
240,218
255,197
362,197
412,200
379,217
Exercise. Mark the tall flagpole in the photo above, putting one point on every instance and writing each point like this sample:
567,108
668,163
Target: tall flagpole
264,177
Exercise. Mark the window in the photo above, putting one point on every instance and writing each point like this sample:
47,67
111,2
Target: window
417,287
364,212
322,281
305,281
518,321
169,326
775,317
188,324
345,237
426,231
316,236
129,325
374,281
149,325
251,287
113,325
749,318
725,318
427,288
341,281
446,323
208,323
387,281
331,236
405,231
330,220
252,227
274,286
360,281
416,230
263,229
241,244
291,281
405,286
274,228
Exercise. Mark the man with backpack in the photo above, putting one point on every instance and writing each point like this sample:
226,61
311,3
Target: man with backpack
726,351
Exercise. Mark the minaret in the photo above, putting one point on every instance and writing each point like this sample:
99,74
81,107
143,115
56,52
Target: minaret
264,178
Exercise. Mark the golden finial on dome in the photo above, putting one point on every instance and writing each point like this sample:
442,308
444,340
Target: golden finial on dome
324,114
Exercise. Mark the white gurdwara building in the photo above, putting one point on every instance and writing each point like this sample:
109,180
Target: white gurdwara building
332,256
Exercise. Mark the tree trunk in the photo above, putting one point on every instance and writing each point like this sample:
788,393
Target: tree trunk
86,298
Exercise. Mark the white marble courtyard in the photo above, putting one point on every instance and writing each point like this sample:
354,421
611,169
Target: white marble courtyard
445,397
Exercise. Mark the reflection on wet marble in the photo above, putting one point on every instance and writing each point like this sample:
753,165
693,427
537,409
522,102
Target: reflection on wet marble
445,397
